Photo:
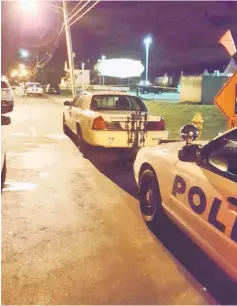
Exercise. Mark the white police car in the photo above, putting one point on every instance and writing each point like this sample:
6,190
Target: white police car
112,119
196,186
34,89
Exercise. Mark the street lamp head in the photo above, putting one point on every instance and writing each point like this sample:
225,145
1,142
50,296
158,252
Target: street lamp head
28,6
24,53
147,40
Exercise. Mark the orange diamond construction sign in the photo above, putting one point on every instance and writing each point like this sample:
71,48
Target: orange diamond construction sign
226,100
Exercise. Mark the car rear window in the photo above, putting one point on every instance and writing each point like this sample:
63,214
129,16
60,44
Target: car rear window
35,85
4,84
116,102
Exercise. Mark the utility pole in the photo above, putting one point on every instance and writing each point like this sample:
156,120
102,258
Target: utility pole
69,47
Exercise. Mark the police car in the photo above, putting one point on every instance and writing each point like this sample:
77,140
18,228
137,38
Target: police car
112,119
195,184
34,89
7,97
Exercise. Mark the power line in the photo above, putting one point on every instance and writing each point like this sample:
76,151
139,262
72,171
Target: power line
75,7
71,17
50,54
84,13
43,61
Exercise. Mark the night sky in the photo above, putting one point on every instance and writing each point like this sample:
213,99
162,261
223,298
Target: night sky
185,34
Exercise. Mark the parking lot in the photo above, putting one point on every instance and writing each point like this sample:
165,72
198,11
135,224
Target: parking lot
72,232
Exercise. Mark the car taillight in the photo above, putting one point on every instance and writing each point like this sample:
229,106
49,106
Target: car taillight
99,124
155,125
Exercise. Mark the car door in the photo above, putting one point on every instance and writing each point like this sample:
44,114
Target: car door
69,111
204,203
76,112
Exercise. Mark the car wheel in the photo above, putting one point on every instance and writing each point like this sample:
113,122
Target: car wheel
150,199
4,173
65,127
80,140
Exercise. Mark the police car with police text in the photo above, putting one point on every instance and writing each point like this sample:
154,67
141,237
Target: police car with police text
195,184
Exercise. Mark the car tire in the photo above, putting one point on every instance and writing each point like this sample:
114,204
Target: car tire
150,199
80,140
65,127
4,173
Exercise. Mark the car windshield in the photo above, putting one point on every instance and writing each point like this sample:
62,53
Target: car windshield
4,84
117,102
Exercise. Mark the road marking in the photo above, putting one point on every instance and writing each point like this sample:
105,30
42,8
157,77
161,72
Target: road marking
44,174
14,154
19,134
56,136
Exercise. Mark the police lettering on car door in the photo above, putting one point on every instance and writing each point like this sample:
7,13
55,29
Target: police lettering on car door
180,187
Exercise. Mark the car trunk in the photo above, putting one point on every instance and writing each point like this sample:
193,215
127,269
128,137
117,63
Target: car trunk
131,120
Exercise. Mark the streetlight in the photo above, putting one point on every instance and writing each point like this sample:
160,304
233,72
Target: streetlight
14,73
147,42
22,66
24,53
28,7
103,57
31,5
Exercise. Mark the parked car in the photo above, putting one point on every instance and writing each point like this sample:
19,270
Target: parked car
146,87
7,97
196,186
53,89
34,89
112,120
5,120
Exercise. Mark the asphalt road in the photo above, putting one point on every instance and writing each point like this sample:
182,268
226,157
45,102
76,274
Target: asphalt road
72,232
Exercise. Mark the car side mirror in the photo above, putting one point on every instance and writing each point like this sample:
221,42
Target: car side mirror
189,153
67,103
189,133
219,162
5,120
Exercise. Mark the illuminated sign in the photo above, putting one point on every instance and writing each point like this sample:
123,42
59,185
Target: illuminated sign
120,68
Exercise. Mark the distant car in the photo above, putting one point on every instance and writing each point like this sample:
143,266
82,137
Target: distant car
142,82
34,89
4,121
7,97
196,186
112,120
146,87
52,89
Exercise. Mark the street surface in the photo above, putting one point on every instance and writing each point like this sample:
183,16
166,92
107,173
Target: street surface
72,232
